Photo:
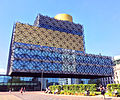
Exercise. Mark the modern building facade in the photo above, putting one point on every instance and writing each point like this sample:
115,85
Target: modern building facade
53,48
117,69
116,76
15,83
64,81
107,80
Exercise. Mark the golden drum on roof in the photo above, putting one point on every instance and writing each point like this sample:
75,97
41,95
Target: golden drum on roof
65,17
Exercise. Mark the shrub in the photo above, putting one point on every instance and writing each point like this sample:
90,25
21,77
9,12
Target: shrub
65,87
62,92
71,87
54,87
81,88
92,94
50,88
92,88
98,93
58,87
112,87
74,88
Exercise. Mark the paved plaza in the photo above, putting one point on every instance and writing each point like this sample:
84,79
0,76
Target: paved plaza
43,96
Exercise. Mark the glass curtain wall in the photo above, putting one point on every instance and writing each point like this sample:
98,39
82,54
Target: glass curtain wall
32,83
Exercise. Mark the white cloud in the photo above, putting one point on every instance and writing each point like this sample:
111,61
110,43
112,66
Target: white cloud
2,71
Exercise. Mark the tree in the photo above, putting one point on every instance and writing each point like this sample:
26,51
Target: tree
95,81
13,81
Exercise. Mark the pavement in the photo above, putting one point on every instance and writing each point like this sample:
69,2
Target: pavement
7,96
43,96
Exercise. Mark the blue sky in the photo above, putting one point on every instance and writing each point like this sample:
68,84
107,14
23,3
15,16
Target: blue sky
100,18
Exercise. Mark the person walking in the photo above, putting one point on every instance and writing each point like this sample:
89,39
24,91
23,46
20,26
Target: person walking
10,90
88,92
102,89
24,89
21,90
116,92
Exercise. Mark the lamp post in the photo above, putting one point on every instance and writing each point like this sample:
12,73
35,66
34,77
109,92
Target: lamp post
11,83
41,79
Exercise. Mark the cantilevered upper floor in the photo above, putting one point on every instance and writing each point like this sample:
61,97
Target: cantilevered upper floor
54,50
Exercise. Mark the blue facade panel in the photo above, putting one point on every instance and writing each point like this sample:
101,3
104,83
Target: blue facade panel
34,58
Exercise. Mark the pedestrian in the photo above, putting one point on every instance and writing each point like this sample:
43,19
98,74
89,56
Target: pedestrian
102,89
56,91
10,90
24,90
116,92
88,92
49,91
21,90
46,90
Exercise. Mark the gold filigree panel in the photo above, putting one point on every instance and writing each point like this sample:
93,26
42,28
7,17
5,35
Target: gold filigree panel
40,36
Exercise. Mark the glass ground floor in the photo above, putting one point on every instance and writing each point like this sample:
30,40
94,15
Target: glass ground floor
34,83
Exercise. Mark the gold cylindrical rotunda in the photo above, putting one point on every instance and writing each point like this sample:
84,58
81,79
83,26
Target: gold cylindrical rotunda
65,17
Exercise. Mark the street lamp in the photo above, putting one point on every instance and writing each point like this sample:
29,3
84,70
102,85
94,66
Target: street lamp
41,79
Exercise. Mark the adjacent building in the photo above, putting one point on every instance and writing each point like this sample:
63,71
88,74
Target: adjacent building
107,80
116,69
115,79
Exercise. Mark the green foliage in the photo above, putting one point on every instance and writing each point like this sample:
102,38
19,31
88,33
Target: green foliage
65,87
81,88
74,88
111,88
98,93
50,88
58,87
77,87
54,87
12,81
92,87
118,86
95,81
71,87
62,92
